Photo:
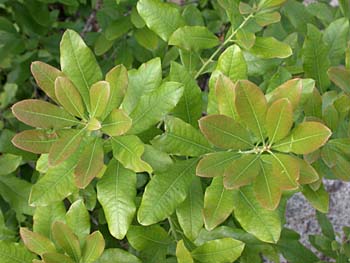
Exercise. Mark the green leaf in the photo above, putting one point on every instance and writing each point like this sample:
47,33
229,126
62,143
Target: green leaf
155,13
142,81
335,36
326,225
157,159
304,138
251,107
128,150
287,170
315,58
90,163
225,133
117,78
55,185
189,108
65,146
42,114
193,38
56,258
116,192
118,28
268,4
79,64
45,76
342,168
245,38
111,255
78,219
69,97
225,96
341,77
266,185
44,216
232,63
117,123
181,138
35,242
166,191
269,47
182,254
218,204
189,212
99,97
94,247
265,19
215,164
319,199
308,174
146,38
9,163
14,252
241,171
154,106
219,250
279,120
66,239
262,223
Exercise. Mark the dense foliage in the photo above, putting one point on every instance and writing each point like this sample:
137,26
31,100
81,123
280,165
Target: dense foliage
149,131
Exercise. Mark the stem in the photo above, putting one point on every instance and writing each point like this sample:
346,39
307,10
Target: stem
229,39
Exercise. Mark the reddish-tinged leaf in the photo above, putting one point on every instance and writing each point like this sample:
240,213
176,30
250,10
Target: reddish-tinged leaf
99,96
117,123
69,97
290,90
45,76
36,242
305,138
341,77
42,114
65,146
35,141
242,171
286,170
56,258
224,132
89,164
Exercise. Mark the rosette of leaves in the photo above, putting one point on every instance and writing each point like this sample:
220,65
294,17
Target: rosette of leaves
262,140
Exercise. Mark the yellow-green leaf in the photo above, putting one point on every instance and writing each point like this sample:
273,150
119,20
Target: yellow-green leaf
225,95
99,96
182,253
36,242
269,47
117,123
93,247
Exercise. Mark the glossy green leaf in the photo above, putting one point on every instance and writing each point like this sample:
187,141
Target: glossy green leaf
241,171
117,78
147,38
269,47
154,106
215,164
14,252
119,255
308,174
35,242
224,132
304,138
193,38
93,247
90,163
315,58
78,219
79,64
116,192
66,239
225,96
55,185
189,108
279,120
117,123
45,76
262,223
218,204
9,163
155,13
251,106
232,63
42,114
189,212
99,97
166,191
341,77
182,254
56,258
69,97
128,150
219,250
65,146
319,199
181,138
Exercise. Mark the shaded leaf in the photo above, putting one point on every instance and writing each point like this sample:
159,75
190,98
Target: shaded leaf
9,163
341,77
